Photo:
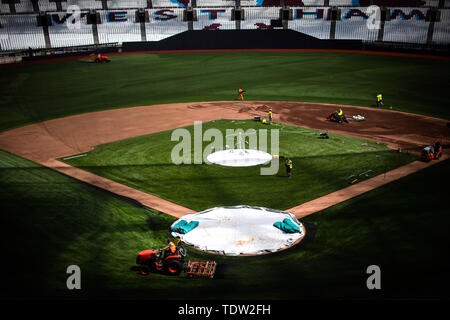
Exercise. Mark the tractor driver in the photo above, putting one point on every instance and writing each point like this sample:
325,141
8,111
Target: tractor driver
340,115
171,248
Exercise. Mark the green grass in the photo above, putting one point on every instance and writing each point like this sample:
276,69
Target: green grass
50,221
321,166
58,221
34,93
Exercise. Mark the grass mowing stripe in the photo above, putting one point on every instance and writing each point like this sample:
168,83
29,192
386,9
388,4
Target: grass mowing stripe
393,226
321,166
39,92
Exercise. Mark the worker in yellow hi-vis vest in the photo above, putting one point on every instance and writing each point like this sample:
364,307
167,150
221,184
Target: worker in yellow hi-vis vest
379,100
288,165
241,94
270,116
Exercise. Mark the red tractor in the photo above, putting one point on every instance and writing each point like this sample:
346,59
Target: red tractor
165,262
335,117
432,152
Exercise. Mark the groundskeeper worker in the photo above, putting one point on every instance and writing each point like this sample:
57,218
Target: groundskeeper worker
288,165
270,116
171,248
240,94
379,99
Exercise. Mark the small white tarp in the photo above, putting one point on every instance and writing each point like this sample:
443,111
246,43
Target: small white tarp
239,157
239,230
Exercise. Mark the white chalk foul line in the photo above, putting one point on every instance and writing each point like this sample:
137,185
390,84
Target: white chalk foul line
77,156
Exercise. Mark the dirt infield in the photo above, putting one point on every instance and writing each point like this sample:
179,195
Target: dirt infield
46,141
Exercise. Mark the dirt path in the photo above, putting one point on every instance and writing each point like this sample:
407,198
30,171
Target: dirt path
44,142
355,190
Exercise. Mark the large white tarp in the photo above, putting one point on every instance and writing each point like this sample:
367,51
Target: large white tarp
239,230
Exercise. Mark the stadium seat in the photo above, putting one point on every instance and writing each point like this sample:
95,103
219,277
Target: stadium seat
214,19
118,26
63,36
442,28
170,3
4,8
24,6
259,18
20,32
406,25
216,3
165,23
353,25
126,4
307,20
83,4
46,5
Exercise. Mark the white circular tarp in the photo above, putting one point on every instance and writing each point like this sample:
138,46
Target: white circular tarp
239,157
239,230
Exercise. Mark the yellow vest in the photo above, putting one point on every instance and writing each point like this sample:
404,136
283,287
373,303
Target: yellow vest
290,164
379,97
270,114
340,112
172,247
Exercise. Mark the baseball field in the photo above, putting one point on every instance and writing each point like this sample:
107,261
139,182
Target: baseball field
118,117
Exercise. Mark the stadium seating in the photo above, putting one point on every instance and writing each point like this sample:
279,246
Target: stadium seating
406,25
259,18
165,23
313,3
442,28
46,5
83,4
353,25
20,32
384,3
170,3
214,19
62,35
311,21
126,4
24,6
4,8
215,3
118,26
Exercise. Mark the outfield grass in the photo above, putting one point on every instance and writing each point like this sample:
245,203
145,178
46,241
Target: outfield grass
321,166
51,221
33,93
